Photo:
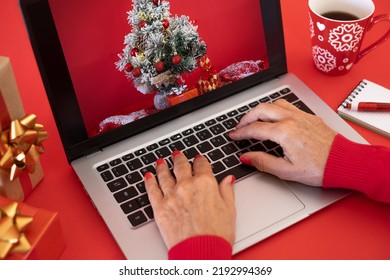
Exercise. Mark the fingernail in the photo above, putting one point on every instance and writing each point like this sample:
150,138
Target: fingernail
176,153
232,179
160,161
245,160
148,175
198,156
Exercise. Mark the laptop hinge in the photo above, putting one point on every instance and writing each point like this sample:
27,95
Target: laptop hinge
93,154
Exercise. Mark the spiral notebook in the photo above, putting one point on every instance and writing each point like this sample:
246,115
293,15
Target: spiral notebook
367,91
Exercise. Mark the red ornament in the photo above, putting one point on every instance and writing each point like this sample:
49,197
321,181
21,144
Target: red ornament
142,24
165,23
136,72
156,2
129,67
134,52
176,59
159,66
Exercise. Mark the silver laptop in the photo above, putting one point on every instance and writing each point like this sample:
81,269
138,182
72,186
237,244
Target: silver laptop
112,133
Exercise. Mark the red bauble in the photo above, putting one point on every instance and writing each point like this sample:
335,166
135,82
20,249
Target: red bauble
136,72
159,66
156,2
134,52
176,59
142,24
165,23
129,67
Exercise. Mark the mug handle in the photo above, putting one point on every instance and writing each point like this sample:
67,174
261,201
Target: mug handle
381,40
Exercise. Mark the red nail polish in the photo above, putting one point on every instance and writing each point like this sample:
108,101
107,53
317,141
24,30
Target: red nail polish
198,156
160,161
232,180
175,153
245,160
148,175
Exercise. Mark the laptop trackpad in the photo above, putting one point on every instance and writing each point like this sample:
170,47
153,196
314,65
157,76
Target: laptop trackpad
262,200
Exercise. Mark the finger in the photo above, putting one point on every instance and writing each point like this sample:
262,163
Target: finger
264,112
277,166
287,105
164,175
202,166
257,130
226,190
152,188
181,166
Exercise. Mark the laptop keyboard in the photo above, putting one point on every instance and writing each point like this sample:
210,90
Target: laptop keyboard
124,175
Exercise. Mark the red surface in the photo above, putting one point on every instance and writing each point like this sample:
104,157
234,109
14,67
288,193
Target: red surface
354,228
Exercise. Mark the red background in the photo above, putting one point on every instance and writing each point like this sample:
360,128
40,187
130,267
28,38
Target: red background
353,228
92,34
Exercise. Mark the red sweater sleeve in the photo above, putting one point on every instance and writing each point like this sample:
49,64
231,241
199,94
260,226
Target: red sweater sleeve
359,167
206,247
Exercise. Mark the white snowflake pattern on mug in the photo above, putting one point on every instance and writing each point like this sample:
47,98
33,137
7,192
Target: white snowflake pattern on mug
345,37
323,59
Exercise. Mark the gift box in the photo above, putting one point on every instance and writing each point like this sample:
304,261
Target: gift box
17,185
175,99
29,233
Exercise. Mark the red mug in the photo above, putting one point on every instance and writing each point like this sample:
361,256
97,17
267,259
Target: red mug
337,30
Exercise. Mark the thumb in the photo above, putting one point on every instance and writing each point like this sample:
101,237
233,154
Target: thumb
277,166
226,189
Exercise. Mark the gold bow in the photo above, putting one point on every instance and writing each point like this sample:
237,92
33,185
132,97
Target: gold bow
12,227
21,145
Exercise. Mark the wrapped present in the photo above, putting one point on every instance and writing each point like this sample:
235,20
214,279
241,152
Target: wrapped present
20,140
29,233
175,99
209,79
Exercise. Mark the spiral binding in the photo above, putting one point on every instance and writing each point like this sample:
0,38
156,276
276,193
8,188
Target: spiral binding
354,93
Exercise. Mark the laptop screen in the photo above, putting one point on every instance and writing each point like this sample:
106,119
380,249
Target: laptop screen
113,70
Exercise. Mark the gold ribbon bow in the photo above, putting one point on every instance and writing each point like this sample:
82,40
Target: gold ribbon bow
21,145
12,227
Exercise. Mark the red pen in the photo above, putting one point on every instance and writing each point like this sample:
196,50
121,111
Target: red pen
369,106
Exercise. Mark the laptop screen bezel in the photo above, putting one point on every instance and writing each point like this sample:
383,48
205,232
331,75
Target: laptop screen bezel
63,101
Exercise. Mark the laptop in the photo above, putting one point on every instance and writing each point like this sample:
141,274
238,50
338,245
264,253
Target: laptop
112,131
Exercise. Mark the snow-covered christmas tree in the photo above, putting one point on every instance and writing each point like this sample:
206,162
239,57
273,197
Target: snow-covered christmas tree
159,49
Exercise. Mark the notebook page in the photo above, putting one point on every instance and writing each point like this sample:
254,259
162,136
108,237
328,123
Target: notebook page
368,91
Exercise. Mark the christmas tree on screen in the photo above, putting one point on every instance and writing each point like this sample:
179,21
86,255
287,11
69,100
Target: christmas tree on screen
159,49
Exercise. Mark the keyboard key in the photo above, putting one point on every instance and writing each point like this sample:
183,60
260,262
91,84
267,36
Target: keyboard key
107,176
177,146
130,206
238,171
302,106
117,185
265,100
232,113
191,153
290,98
125,194
270,144
242,144
134,164
218,141
115,162
149,212
102,167
230,124
188,132
143,200
149,168
137,218
215,155
149,158
163,152
141,187
218,167
217,129
243,109
210,122
258,148
199,127
229,149
285,91
120,170
152,147
133,178
190,141
222,118
204,135
164,142
128,157
253,104
231,161
176,137
140,152
204,147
